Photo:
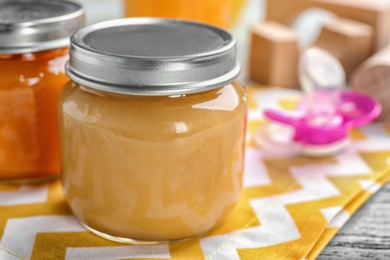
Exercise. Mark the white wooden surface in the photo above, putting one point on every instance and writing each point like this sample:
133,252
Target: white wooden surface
366,235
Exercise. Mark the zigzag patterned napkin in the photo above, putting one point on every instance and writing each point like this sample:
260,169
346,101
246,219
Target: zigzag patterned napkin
290,208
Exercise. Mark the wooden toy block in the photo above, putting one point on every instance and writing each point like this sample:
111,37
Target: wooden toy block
373,13
373,78
274,55
349,41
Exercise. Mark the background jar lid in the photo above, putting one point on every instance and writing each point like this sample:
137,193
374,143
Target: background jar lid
152,57
37,25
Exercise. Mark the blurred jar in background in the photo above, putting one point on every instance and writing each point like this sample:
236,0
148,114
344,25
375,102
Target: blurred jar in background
222,13
34,36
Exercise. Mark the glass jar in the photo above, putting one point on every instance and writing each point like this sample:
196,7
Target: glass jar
220,13
33,50
152,131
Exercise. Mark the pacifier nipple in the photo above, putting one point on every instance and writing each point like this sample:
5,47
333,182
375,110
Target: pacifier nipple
322,78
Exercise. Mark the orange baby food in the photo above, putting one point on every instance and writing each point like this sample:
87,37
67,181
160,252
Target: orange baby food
34,39
29,87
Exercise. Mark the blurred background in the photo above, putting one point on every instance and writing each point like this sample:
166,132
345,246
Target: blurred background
238,20
245,13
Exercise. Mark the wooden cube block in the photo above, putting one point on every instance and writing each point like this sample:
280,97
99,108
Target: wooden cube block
373,78
274,55
349,41
373,13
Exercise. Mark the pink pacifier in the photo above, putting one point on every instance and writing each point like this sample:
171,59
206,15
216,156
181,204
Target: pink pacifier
328,111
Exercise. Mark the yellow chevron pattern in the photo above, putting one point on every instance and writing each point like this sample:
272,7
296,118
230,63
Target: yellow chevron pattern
290,208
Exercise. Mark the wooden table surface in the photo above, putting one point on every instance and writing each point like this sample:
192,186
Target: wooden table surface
367,234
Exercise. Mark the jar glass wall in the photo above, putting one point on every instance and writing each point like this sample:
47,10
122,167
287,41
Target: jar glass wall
152,168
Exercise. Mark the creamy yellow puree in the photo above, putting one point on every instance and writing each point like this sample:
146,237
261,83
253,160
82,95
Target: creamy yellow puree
152,168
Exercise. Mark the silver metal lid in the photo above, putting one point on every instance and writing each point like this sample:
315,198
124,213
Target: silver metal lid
37,25
152,57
